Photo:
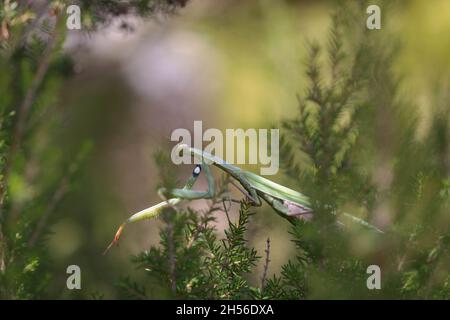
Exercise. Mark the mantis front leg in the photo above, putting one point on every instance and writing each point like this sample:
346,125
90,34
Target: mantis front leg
251,194
178,195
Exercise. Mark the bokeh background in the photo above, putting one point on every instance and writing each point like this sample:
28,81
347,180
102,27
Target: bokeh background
231,64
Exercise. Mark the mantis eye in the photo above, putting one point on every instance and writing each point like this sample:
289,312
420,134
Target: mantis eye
197,170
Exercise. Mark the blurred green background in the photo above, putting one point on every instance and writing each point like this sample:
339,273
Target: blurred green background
231,64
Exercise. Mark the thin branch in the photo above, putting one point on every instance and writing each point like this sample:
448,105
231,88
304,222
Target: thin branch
172,258
266,265
60,192
18,132
23,111
226,212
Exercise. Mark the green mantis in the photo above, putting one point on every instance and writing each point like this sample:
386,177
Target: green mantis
288,203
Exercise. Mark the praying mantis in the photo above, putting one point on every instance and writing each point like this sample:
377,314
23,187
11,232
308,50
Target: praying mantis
288,203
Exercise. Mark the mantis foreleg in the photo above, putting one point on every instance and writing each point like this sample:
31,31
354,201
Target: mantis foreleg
254,198
178,195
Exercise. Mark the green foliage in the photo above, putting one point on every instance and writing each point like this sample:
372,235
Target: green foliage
351,147
28,194
36,173
191,262
376,136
